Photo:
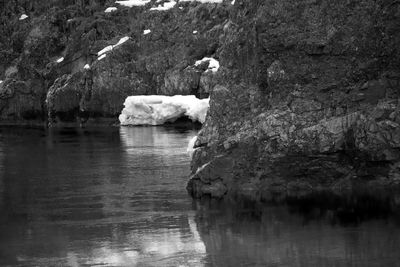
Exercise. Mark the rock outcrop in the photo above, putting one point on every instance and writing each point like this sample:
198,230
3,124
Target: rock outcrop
51,70
306,100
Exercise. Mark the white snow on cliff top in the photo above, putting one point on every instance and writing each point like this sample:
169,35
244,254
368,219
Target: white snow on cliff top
213,64
165,6
111,47
203,1
159,109
131,3
110,9
23,16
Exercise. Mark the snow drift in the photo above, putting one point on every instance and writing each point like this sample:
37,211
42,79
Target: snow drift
158,109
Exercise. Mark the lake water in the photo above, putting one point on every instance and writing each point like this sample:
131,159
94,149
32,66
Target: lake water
116,197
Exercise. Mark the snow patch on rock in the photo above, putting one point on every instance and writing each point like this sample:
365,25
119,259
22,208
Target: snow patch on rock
111,47
204,1
213,64
165,6
159,109
110,9
23,16
101,57
132,3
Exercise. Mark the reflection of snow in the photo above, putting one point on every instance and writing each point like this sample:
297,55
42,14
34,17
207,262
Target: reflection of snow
157,245
108,256
1,174
155,141
190,149
158,109
171,247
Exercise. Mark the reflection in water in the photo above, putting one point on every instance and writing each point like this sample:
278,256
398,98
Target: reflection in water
274,236
116,197
1,172
98,197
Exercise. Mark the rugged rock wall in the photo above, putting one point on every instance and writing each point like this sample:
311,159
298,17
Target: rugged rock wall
37,87
307,100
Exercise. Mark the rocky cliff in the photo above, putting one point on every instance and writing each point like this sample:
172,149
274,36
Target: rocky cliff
51,70
307,100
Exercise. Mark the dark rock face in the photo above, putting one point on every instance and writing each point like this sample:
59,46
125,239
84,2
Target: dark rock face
307,100
37,87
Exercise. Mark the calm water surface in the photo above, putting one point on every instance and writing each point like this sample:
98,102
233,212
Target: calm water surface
116,197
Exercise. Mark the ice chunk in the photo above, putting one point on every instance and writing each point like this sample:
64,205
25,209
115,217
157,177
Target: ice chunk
146,32
101,57
110,9
23,16
158,109
131,3
190,148
213,64
86,67
111,47
61,59
165,6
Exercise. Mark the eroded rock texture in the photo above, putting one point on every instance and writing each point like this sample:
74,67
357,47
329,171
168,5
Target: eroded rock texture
37,87
307,100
